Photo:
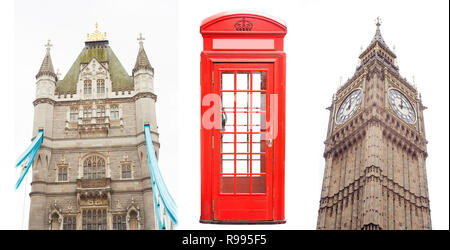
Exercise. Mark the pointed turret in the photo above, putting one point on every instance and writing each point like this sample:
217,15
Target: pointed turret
378,49
378,37
142,61
47,65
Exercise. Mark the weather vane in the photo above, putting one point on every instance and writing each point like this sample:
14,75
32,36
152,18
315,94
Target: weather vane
378,20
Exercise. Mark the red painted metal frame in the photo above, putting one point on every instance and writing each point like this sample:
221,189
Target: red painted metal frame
221,26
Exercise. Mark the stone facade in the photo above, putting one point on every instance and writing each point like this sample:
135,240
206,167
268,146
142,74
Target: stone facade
375,175
91,171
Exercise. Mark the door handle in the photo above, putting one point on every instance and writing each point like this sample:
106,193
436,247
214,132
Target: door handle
224,121
270,143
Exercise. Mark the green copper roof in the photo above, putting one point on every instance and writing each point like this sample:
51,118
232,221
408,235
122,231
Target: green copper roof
103,53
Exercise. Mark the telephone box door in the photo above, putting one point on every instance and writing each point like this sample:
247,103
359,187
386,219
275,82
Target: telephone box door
243,157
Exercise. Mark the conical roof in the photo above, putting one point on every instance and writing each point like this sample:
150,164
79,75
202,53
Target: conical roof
142,61
378,38
47,65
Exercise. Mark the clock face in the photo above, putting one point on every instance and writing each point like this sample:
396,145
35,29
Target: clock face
349,106
401,105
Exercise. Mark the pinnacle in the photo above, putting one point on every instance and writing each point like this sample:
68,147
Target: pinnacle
142,61
378,37
47,65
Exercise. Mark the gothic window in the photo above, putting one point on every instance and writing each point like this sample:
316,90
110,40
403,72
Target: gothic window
62,173
101,111
87,87
70,222
126,171
119,222
114,114
94,167
73,114
94,219
87,112
100,86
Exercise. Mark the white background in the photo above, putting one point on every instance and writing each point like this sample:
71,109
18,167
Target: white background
322,45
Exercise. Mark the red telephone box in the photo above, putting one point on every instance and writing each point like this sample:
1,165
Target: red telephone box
243,68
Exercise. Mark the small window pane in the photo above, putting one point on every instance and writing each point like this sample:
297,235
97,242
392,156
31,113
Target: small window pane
226,184
227,80
227,166
242,184
259,184
243,80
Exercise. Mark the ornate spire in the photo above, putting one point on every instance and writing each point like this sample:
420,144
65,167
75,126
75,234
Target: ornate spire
47,65
378,49
377,37
142,61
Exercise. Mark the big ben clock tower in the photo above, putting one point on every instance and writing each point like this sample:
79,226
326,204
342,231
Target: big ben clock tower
375,150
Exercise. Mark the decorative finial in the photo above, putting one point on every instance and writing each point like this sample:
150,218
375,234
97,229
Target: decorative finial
97,35
378,22
48,45
141,39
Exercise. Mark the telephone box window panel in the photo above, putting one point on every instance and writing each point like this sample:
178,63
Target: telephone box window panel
243,67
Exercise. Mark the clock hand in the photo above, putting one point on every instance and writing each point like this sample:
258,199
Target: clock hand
349,104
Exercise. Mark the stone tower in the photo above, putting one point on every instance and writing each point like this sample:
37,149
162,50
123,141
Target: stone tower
91,171
375,150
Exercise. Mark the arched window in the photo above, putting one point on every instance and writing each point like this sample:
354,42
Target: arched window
87,87
101,111
94,219
94,167
87,112
119,222
114,114
73,114
126,171
70,222
100,86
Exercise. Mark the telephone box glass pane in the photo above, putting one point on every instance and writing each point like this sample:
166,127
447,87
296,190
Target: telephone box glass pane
227,164
242,101
227,124
243,80
227,184
258,184
242,184
227,79
259,80
227,101
242,166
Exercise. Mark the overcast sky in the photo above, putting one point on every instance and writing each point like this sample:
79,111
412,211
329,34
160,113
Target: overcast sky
322,44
